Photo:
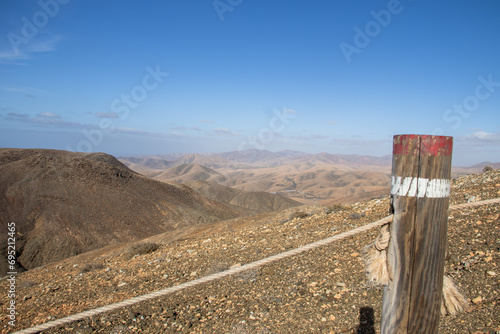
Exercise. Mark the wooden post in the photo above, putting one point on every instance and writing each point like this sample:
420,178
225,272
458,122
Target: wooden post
421,172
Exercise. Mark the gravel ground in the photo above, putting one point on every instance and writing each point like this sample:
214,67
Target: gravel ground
320,291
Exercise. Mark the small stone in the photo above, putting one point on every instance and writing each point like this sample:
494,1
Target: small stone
194,273
313,284
122,284
268,271
340,284
337,296
323,319
236,265
491,273
355,254
477,300
332,317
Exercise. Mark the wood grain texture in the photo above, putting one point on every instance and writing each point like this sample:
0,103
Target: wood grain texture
417,248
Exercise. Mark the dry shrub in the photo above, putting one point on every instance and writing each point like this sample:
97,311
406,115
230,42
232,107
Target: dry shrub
335,208
141,249
487,169
298,214
91,267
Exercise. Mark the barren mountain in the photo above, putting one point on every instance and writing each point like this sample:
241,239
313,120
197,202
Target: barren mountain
187,173
254,202
146,165
312,182
66,203
261,157
204,160
321,178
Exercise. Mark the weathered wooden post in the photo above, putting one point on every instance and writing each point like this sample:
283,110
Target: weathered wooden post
421,172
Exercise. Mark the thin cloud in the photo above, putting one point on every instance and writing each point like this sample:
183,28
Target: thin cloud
48,115
311,137
18,115
25,50
26,90
223,131
206,121
106,115
486,136
480,138
130,131
54,121
139,132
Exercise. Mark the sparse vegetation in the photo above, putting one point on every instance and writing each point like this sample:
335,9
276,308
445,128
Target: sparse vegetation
487,169
26,284
335,208
298,214
141,249
357,215
91,267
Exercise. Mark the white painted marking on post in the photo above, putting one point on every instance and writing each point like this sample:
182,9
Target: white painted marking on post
420,187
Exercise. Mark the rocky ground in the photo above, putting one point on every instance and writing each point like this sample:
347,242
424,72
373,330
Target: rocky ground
321,291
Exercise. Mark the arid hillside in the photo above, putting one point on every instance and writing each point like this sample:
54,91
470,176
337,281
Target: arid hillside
67,203
324,290
189,172
254,202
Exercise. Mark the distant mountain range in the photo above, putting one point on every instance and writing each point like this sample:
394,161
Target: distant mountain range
308,178
256,157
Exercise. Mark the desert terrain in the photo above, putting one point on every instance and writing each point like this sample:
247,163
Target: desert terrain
67,203
324,290
92,232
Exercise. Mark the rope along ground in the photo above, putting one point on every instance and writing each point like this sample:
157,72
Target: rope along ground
229,272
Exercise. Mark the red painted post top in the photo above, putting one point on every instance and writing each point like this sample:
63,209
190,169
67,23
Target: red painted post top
425,145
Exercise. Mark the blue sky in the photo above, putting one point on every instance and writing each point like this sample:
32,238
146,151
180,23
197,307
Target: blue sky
185,76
